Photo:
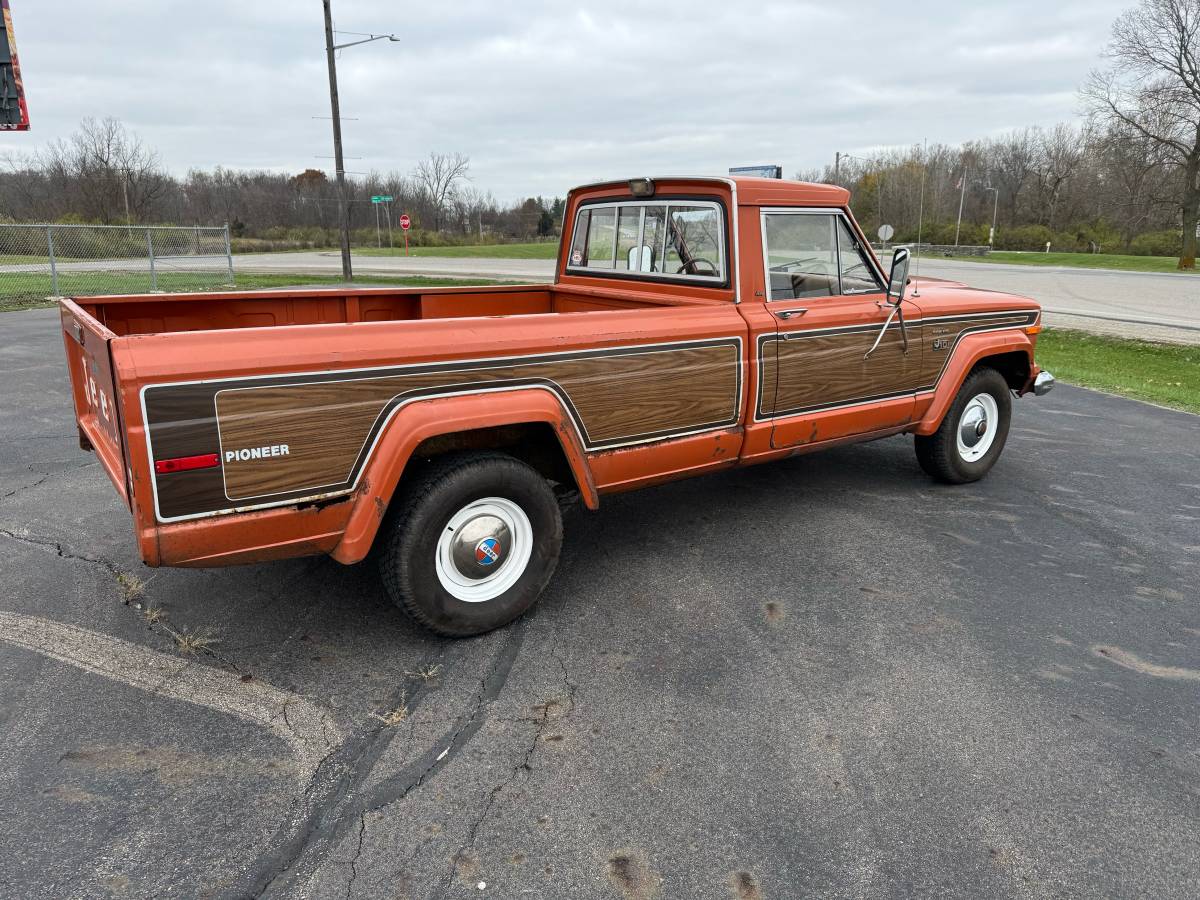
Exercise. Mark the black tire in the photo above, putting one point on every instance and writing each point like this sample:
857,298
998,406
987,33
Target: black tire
425,507
939,453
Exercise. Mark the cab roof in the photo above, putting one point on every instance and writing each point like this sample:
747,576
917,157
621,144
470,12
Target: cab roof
750,191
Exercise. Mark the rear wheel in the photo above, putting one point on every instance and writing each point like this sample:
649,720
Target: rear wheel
472,543
972,435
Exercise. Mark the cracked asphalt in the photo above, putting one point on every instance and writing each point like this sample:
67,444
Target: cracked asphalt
823,677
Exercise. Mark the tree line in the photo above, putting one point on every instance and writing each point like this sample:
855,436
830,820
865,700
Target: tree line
104,174
1126,179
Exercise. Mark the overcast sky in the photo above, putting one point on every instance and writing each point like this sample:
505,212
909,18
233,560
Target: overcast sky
545,95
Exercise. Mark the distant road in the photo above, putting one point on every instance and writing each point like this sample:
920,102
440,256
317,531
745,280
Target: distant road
1155,306
1135,304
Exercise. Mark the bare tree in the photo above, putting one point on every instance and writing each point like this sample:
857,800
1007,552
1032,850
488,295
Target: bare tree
437,176
1153,87
111,173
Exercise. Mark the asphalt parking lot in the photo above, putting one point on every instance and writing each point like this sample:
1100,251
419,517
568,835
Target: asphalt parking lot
824,677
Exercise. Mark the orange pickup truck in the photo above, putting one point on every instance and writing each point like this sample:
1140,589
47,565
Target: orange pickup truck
694,324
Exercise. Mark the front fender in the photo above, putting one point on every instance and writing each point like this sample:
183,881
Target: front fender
423,419
971,350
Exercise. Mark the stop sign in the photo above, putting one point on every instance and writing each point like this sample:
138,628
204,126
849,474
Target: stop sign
405,222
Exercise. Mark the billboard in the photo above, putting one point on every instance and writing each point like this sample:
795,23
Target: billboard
14,114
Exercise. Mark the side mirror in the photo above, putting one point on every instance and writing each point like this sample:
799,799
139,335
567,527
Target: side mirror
898,280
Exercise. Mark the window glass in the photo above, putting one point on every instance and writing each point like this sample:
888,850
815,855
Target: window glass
629,223
858,275
595,231
652,239
693,241
684,240
801,256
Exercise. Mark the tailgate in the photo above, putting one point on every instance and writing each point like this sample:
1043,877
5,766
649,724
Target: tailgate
94,389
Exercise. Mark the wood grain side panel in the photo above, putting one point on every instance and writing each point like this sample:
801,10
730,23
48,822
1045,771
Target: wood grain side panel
828,369
831,369
328,426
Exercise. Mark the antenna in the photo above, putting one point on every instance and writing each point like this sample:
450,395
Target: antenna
920,220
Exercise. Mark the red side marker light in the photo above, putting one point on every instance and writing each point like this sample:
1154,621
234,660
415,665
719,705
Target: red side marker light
186,463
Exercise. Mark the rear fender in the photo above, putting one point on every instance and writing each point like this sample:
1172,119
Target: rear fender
971,350
424,419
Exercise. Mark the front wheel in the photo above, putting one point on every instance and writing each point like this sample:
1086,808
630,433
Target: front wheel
472,543
972,435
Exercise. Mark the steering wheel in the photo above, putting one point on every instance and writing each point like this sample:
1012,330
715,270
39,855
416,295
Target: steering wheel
690,264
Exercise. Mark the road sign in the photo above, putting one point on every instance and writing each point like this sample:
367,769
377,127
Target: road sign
381,198
886,232
405,222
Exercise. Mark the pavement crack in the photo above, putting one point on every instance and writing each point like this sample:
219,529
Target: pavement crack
24,537
362,831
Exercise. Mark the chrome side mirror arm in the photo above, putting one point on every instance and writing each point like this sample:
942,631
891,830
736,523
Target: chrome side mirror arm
896,313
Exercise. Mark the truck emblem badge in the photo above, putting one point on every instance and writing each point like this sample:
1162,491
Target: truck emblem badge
487,551
941,343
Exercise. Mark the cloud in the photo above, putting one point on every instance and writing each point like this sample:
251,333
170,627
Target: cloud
545,95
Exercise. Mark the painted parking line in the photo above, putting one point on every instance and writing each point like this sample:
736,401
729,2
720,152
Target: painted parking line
305,727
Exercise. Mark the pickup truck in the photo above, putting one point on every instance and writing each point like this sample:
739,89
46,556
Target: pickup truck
693,325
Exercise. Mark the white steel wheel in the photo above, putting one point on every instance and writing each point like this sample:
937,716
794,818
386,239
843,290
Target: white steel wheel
977,427
483,550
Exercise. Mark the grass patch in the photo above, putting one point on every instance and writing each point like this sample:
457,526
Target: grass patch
29,291
1160,373
540,250
1081,261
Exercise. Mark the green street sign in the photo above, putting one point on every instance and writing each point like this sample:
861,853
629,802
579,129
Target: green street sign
381,198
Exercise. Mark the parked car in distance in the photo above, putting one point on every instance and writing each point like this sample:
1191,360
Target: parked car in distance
693,325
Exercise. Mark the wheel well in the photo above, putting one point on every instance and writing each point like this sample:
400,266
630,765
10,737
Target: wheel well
1013,366
534,443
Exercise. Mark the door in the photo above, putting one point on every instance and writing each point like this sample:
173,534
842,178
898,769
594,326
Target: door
831,379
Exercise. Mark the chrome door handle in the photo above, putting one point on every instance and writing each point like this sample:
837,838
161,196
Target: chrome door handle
788,313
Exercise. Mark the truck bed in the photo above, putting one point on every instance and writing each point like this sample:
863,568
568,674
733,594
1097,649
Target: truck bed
158,314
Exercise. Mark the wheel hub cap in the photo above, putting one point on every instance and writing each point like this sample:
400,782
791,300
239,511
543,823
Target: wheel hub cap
480,547
974,425
484,549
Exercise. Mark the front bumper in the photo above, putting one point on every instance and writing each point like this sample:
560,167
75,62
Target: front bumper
1043,384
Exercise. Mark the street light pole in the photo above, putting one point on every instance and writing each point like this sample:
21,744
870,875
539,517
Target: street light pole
343,206
340,171
995,209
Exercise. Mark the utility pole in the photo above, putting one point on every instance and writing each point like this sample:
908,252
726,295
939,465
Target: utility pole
343,208
995,209
961,198
837,166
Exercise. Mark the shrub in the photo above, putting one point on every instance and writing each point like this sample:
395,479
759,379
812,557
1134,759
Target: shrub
1157,243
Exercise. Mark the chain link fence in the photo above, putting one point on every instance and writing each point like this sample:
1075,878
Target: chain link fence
40,261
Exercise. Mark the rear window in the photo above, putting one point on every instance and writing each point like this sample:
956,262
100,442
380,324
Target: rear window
655,239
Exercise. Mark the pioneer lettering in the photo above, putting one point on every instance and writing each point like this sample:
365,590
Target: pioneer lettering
249,453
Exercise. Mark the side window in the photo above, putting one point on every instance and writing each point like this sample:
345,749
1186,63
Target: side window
802,258
858,275
675,239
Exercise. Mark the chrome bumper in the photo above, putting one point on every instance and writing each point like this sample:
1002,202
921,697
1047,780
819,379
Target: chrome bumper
1043,384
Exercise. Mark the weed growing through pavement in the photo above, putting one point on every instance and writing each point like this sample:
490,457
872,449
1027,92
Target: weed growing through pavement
425,673
396,716
132,587
189,643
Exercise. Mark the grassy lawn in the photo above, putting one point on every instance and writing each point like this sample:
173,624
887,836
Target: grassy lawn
541,250
1161,373
1081,261
30,291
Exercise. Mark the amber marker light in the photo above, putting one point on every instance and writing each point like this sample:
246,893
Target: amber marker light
641,187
